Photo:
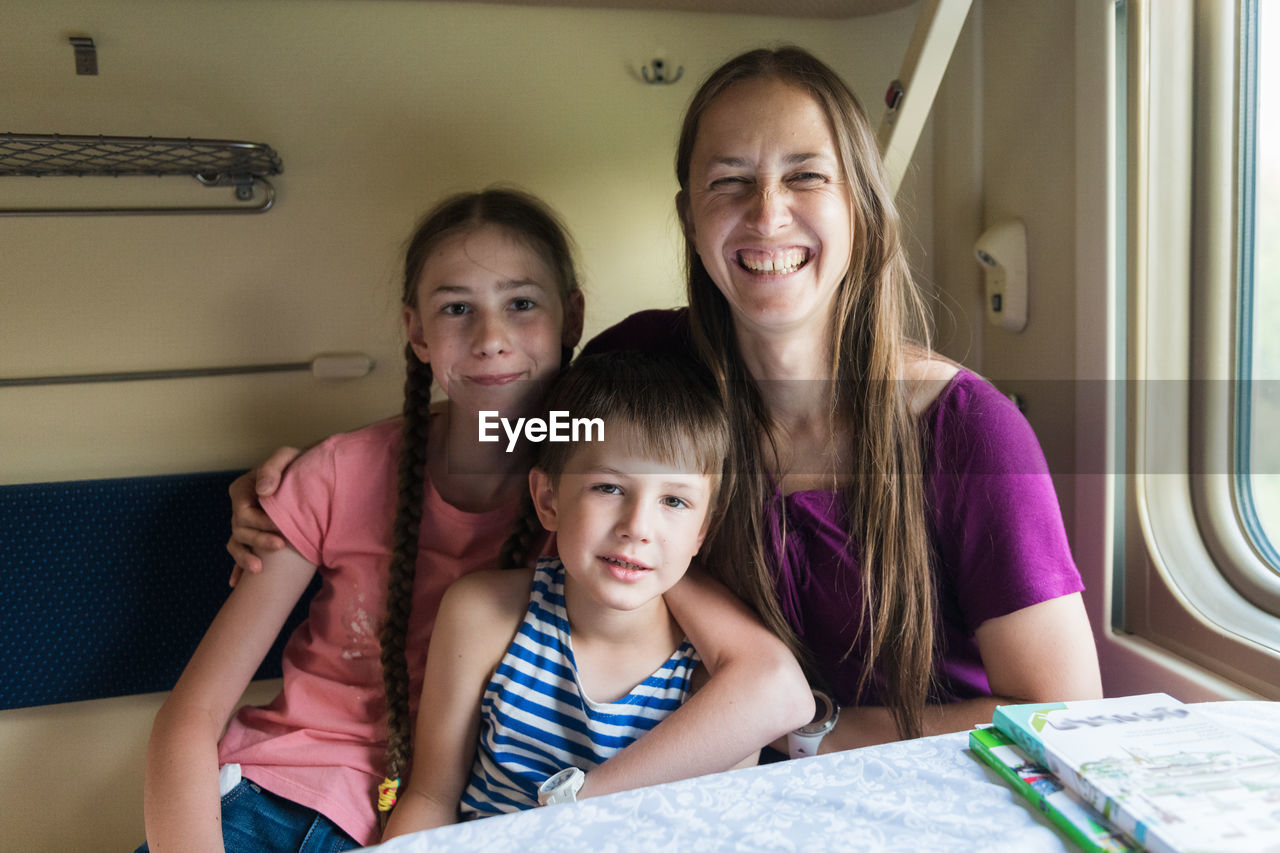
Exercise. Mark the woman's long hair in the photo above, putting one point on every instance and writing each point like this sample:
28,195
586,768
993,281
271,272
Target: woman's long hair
528,220
877,312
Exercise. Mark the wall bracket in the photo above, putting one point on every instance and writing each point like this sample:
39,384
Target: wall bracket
86,53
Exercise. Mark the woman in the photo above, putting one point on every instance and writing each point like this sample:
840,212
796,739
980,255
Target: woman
911,549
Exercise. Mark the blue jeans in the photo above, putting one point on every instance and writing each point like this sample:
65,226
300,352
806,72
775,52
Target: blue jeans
258,821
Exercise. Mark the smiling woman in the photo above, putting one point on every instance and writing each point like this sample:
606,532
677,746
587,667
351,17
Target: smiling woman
767,208
892,515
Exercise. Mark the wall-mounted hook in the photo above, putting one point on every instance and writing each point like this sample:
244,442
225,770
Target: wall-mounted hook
655,73
86,55
894,94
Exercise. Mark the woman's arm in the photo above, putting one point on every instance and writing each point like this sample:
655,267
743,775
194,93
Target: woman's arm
1041,653
756,693
253,534
1001,535
180,797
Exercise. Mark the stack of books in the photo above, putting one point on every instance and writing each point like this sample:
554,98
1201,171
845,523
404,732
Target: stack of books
1139,773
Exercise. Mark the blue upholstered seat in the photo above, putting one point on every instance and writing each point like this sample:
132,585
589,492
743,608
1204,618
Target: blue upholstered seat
108,585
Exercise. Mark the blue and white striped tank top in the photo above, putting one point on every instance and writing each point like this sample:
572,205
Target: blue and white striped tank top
535,719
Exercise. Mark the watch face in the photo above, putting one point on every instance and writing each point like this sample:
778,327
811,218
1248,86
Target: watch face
557,779
824,715
561,787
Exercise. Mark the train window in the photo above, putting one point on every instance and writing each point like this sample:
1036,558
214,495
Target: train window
1202,282
1259,357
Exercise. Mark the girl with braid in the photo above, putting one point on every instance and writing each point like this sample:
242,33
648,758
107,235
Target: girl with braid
389,516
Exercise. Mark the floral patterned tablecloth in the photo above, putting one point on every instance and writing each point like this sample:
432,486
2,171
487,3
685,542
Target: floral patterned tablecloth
929,794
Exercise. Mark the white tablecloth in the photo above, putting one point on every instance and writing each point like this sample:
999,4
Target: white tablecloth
927,794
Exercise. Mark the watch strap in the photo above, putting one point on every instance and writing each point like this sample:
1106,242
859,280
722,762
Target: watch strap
803,745
804,741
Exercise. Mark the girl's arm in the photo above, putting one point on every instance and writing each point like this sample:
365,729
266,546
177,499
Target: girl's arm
1041,653
180,796
477,620
757,692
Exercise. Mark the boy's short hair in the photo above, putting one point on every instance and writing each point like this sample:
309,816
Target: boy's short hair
670,401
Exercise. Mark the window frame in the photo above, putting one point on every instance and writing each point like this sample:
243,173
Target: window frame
1264,544
1193,582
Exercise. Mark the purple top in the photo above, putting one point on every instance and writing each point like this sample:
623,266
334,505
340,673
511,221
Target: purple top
995,528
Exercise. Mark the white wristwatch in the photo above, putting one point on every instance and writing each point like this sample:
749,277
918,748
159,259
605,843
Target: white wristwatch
561,787
804,741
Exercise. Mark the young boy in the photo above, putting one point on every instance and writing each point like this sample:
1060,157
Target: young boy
596,659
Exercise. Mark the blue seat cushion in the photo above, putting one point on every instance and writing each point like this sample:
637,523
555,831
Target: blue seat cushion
110,584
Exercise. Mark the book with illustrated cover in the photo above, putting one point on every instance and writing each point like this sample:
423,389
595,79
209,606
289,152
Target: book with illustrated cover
1173,779
1081,824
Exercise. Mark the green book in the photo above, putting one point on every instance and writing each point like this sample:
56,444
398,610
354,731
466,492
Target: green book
1063,807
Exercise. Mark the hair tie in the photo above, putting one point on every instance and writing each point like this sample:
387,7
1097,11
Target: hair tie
387,794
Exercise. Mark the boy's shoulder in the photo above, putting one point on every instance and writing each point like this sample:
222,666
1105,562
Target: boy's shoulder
482,611
492,593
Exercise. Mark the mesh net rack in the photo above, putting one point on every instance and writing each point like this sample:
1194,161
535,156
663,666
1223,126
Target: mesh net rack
243,166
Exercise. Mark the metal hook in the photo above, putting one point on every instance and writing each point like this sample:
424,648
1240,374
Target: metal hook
86,55
659,75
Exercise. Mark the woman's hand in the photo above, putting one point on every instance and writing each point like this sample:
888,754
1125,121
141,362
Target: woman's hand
252,532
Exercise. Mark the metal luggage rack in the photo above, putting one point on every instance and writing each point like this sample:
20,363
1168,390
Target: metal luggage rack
212,162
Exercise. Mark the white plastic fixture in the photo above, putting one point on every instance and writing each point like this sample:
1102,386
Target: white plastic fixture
341,365
1002,253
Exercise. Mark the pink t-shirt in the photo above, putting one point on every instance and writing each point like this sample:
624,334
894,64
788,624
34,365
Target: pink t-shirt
320,743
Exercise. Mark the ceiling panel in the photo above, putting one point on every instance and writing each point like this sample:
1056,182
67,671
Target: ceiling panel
780,8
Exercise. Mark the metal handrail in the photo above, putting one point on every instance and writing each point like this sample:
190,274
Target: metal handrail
334,365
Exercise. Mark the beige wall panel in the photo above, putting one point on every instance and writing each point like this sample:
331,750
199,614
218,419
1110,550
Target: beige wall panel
377,108
957,198
1028,133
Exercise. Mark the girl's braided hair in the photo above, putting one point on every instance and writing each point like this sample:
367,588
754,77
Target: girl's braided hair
530,221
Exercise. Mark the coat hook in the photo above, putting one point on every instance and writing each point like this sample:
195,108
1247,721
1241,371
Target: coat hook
659,73
86,55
